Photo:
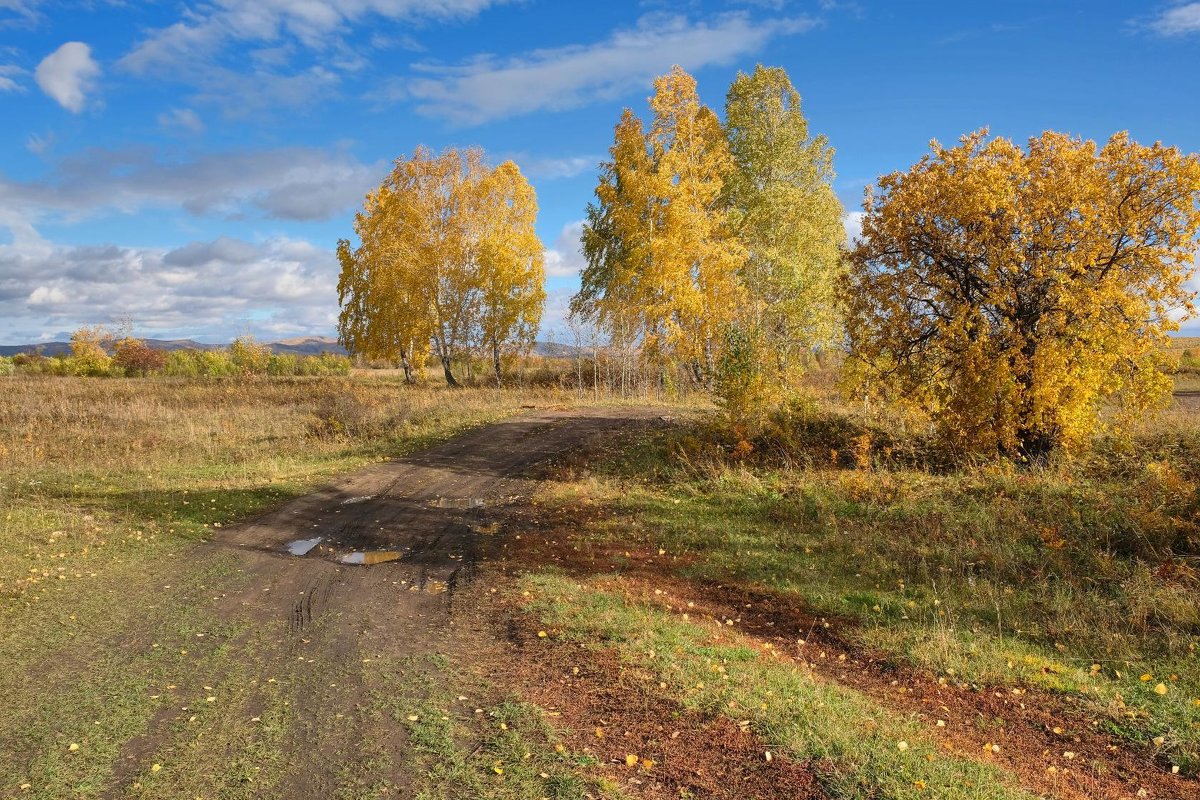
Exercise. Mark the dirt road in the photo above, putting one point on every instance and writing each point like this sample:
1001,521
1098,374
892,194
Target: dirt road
367,569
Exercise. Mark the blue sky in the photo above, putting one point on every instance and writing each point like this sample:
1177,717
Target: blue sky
191,165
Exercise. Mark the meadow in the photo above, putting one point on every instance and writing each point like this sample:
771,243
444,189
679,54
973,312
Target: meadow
1070,588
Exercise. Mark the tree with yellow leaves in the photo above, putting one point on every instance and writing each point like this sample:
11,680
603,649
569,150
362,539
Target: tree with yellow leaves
660,253
447,258
1009,292
511,264
783,209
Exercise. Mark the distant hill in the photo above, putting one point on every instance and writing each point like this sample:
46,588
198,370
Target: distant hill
308,345
304,345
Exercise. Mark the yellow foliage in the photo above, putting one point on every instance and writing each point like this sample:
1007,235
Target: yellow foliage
662,261
1009,292
448,256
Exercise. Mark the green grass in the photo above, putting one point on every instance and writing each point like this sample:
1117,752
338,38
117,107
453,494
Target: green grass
1050,578
860,749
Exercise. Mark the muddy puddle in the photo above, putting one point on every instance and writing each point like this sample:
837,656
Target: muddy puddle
459,502
362,499
369,557
302,547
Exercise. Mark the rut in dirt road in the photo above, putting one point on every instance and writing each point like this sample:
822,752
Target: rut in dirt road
366,571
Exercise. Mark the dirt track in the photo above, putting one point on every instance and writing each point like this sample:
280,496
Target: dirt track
431,512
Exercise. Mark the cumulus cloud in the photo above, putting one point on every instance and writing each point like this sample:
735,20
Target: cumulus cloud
1178,21
565,258
558,78
68,74
292,183
277,287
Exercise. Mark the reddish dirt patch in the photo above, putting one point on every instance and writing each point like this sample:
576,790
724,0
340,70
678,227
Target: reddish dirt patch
1021,723
608,711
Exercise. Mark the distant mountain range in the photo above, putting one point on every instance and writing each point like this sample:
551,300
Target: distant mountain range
301,346
306,346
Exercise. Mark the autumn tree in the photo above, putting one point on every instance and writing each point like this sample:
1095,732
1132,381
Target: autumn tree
661,257
439,243
1010,292
511,264
783,210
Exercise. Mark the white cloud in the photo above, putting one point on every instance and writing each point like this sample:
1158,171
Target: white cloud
1177,21
567,77
853,224
68,74
181,119
8,73
316,24
18,12
565,258
276,287
293,183
554,168
38,144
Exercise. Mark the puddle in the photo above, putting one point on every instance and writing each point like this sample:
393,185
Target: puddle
459,502
301,547
370,557
362,499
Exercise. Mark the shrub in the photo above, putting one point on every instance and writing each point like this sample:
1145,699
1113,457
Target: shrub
88,354
283,364
135,357
248,356
7,367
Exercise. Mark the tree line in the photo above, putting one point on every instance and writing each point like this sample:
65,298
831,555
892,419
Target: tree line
1006,292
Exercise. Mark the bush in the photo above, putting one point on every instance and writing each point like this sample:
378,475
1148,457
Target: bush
7,367
248,356
135,357
199,364
88,354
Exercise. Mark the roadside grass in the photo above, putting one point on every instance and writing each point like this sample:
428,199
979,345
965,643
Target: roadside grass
1076,578
858,748
504,750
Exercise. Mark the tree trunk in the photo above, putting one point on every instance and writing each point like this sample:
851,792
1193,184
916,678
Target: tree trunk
450,381
496,361
407,365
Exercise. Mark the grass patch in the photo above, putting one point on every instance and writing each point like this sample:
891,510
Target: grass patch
858,748
1077,578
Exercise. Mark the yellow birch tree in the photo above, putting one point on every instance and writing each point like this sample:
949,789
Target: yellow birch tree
438,241
784,211
658,247
511,265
